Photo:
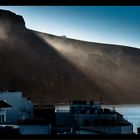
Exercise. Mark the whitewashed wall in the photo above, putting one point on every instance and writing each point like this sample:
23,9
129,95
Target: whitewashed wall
18,103
35,129
111,129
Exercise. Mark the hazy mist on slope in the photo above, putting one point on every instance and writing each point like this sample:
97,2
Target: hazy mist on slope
54,69
115,69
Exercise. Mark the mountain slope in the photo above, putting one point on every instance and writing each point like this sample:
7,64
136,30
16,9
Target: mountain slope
50,68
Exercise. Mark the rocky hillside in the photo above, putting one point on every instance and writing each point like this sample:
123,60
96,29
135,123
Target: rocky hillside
50,68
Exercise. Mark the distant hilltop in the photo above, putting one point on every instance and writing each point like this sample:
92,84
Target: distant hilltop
54,69
10,17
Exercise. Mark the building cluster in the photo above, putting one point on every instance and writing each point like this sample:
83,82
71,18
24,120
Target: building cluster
18,115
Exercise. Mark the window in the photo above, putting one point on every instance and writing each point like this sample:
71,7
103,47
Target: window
1,118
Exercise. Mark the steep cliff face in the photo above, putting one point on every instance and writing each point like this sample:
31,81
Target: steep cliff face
11,18
54,69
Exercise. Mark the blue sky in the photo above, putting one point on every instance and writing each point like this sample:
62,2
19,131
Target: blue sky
104,24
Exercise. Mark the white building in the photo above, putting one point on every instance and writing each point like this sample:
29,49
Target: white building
3,108
21,106
20,115
91,118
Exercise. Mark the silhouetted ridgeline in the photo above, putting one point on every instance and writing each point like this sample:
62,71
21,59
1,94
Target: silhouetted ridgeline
50,68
